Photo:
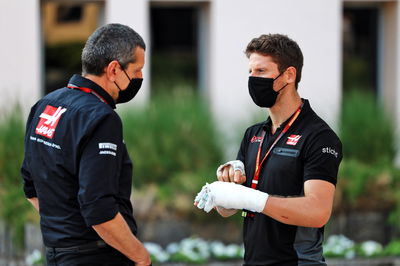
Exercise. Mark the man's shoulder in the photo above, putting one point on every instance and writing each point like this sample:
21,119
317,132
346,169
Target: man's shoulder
78,105
316,125
317,130
78,100
256,127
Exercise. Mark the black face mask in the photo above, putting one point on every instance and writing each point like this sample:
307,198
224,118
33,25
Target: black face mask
262,91
130,92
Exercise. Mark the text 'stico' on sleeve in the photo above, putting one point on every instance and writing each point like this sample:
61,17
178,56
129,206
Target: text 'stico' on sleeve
322,157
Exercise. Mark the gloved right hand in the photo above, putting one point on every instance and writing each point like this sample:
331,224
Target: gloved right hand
232,171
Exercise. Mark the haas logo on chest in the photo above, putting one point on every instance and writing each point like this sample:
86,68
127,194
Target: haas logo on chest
293,139
49,120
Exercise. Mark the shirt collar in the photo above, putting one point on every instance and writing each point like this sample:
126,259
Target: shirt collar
268,123
79,81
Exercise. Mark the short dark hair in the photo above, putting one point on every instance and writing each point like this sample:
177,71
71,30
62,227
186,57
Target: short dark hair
110,42
284,51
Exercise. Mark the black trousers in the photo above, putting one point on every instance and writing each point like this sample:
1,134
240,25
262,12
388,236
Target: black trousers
99,256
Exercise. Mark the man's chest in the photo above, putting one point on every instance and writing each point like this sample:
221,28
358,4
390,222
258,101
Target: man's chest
279,162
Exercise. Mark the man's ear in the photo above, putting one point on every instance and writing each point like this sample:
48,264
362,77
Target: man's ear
112,69
290,74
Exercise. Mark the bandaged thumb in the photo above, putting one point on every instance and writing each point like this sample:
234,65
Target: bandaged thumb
233,196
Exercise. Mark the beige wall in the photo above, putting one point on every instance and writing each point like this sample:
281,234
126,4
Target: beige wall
65,32
20,53
396,76
389,66
314,24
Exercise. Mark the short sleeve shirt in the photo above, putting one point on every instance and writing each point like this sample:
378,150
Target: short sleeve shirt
76,163
308,150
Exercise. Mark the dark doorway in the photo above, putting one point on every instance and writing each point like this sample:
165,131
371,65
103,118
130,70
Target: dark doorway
360,53
174,59
65,28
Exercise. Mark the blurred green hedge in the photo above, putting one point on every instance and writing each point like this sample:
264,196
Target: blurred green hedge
368,178
173,143
366,129
14,208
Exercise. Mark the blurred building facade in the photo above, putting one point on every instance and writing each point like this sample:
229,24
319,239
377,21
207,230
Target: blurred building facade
65,22
326,31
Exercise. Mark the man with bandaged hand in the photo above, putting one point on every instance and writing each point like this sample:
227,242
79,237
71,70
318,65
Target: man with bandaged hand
287,165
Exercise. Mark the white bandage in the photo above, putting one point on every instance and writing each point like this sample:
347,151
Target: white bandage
202,199
237,165
230,196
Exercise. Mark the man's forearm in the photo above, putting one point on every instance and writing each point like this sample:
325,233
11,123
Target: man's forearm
300,211
34,202
117,234
312,210
225,212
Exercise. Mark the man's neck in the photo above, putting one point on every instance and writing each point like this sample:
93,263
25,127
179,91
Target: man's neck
99,80
284,108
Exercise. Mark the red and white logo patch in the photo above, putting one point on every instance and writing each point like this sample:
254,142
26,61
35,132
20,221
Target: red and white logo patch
256,139
49,120
293,139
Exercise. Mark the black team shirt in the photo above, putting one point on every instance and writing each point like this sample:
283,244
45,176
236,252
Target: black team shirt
76,163
308,150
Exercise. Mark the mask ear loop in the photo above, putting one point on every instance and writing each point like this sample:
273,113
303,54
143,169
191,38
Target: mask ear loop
126,76
117,86
282,87
277,78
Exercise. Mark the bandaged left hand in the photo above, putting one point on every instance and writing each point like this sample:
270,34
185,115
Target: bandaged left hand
230,196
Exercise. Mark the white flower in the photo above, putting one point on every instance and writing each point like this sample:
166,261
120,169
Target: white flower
350,254
157,251
340,245
232,251
172,248
195,248
217,248
242,251
370,248
33,258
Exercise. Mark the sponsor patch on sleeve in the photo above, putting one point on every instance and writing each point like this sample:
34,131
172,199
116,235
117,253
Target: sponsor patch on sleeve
329,150
108,148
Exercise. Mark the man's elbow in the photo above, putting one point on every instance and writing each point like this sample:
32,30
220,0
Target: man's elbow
35,202
225,215
109,224
321,219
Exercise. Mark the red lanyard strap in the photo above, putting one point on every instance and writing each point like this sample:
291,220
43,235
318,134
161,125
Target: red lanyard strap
87,90
257,171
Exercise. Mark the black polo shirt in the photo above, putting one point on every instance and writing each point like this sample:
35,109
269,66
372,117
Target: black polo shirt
76,163
308,150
